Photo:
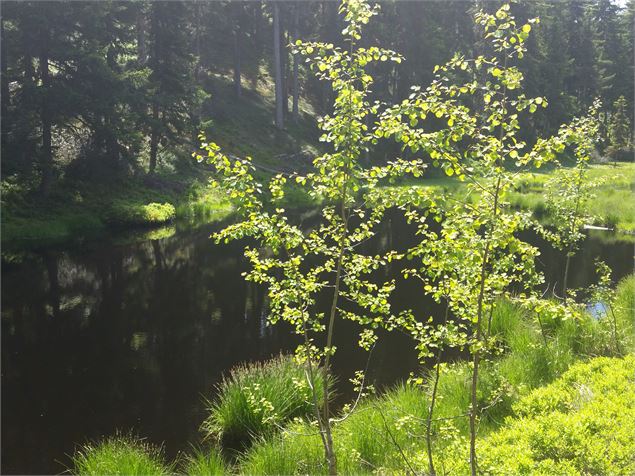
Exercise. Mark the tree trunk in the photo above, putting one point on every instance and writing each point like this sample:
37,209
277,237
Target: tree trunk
565,279
285,70
237,79
45,116
5,82
277,64
142,51
296,59
154,137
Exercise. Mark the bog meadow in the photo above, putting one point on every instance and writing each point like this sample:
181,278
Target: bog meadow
318,237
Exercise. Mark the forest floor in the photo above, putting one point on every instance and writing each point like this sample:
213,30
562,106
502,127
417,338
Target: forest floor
179,191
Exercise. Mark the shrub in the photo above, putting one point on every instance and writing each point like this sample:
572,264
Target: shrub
583,423
255,399
121,455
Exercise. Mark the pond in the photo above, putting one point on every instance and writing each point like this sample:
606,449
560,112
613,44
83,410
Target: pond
129,334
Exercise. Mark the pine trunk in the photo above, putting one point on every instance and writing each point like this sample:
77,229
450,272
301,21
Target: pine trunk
154,138
296,59
45,117
237,77
277,64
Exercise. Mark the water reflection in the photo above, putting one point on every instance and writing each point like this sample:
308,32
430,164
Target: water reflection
111,336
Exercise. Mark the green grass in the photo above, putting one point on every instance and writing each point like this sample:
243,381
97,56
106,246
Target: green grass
613,206
152,213
374,436
256,398
624,309
77,209
204,463
120,455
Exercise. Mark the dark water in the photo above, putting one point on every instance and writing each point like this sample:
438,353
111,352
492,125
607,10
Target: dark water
110,336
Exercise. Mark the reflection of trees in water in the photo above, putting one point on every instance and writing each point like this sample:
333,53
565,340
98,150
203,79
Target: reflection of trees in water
122,337
130,336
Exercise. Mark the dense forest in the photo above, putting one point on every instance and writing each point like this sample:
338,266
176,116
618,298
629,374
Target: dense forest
96,91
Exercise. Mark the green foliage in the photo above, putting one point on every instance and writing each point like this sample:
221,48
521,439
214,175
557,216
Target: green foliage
336,264
570,190
511,380
204,463
255,399
619,128
583,423
121,455
477,257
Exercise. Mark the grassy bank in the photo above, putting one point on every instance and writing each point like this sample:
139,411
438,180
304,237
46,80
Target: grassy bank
613,206
80,209
386,433
564,406
256,399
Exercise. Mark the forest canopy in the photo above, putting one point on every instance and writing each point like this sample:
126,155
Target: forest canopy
99,90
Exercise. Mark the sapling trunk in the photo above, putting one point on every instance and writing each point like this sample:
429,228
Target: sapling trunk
479,332
617,342
433,398
572,230
565,279
331,458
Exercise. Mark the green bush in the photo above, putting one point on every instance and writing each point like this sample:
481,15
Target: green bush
583,423
121,455
255,399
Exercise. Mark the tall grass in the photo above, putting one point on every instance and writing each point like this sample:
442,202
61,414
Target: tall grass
384,432
205,463
256,399
120,455
624,309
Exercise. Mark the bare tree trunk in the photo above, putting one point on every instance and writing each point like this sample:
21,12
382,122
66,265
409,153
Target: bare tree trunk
277,61
45,116
296,59
284,55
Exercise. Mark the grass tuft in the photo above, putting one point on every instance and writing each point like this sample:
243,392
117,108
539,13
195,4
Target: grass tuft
256,398
121,455
204,463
